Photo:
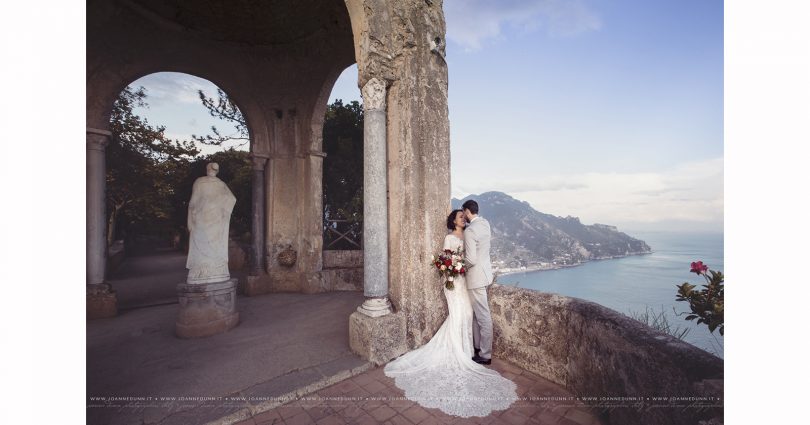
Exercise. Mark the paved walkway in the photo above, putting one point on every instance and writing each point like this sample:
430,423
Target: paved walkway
372,398
284,343
151,279
288,362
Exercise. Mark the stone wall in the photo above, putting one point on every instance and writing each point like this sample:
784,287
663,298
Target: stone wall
342,270
595,351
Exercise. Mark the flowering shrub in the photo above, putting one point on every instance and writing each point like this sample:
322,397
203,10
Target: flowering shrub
707,303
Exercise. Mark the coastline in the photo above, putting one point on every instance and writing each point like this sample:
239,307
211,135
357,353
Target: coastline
535,268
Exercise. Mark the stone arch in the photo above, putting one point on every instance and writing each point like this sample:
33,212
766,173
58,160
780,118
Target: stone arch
319,107
275,59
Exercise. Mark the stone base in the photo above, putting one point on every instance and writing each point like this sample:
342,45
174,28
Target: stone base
377,339
257,285
348,279
101,302
312,283
285,281
307,283
206,309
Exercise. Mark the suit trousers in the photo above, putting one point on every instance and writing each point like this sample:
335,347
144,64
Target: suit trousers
482,321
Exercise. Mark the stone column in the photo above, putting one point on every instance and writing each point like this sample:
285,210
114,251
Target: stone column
375,201
101,300
97,141
257,216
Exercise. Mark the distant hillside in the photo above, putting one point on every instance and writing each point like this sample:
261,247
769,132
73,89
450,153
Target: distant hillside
525,237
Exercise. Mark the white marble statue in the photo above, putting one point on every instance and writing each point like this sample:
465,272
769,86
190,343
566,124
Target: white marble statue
209,216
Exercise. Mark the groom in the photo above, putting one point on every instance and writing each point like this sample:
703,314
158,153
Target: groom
479,275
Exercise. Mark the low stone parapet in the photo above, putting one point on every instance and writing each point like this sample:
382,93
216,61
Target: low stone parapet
594,351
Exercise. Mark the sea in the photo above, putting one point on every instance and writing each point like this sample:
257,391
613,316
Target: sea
640,283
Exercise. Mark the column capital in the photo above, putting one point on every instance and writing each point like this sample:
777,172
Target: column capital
374,94
258,161
97,139
320,154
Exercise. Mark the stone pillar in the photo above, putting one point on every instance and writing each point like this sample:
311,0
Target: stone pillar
375,201
257,216
101,299
375,333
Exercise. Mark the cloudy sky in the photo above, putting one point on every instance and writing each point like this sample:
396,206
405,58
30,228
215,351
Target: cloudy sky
611,111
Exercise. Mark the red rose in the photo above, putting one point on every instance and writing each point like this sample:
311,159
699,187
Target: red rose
699,268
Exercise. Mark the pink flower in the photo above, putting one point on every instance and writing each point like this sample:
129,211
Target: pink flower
699,268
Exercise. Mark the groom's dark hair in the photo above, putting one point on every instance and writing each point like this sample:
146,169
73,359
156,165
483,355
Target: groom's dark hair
471,205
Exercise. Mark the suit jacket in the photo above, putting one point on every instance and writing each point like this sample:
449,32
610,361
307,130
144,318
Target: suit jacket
477,237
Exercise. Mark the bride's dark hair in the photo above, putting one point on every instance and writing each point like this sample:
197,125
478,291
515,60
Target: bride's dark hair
451,219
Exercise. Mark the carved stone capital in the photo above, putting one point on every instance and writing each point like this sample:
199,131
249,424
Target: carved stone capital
374,94
258,162
97,139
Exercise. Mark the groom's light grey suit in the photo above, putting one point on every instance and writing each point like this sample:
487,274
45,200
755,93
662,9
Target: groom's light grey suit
477,238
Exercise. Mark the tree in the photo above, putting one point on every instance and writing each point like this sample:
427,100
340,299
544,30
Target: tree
142,165
343,173
225,109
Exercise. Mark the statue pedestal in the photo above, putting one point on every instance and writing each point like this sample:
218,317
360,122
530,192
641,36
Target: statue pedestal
206,309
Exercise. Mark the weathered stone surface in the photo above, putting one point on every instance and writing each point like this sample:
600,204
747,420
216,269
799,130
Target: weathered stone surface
257,285
102,302
377,339
237,255
336,259
375,191
343,279
97,141
399,41
594,351
206,309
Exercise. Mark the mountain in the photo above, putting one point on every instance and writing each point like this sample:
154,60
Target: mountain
525,237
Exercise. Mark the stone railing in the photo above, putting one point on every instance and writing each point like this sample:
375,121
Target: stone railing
594,351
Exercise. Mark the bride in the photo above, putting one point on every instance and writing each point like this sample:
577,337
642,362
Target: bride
441,374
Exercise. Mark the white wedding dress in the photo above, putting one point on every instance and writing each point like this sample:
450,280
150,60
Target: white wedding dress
441,374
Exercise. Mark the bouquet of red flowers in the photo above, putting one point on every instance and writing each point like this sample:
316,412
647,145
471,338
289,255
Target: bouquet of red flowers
449,264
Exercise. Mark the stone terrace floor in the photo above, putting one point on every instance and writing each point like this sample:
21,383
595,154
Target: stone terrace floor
285,346
376,400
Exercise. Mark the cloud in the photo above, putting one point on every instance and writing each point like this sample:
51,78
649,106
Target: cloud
174,87
472,22
547,185
688,193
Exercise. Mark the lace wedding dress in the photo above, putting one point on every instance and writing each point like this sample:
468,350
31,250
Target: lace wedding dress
441,374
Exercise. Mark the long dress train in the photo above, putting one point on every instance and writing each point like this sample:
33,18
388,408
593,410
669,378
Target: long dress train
441,374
